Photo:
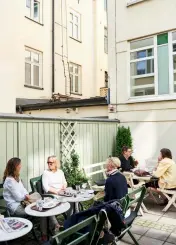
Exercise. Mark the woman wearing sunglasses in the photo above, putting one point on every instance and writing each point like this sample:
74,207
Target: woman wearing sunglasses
53,179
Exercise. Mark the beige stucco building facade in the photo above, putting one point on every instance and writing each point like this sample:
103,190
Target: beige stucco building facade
54,46
142,72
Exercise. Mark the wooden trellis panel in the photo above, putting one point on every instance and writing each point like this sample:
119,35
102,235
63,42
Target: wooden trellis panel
68,139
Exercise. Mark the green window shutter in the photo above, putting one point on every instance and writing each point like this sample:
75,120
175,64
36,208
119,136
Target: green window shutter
162,39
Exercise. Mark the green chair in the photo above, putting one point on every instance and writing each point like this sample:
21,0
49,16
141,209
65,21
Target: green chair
126,203
36,186
137,202
3,208
73,235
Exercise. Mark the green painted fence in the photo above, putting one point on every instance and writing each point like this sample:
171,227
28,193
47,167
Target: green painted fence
33,139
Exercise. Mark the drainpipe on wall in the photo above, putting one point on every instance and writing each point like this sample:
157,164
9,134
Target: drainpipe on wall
53,46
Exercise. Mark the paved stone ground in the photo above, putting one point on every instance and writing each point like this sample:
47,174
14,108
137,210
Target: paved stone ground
154,228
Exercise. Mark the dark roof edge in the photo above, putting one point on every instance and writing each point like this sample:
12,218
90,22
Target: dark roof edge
5,116
96,101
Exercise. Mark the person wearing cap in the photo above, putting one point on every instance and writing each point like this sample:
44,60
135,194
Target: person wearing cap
116,184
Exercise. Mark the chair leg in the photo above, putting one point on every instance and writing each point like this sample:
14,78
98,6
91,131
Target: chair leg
171,202
132,237
141,211
144,208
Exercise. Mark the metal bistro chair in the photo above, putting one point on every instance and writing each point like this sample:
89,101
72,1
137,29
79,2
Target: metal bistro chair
74,236
3,209
126,203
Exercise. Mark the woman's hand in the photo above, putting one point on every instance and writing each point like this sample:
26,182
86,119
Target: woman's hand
27,197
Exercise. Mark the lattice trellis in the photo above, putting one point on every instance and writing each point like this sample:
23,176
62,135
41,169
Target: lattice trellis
68,139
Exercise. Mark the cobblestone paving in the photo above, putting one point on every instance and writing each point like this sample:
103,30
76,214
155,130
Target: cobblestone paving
156,225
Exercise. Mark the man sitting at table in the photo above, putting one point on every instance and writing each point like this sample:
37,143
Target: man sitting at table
116,184
127,163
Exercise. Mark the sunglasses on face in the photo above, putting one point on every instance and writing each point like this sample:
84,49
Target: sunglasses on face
50,163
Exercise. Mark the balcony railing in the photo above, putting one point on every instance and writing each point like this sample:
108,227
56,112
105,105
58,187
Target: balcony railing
103,91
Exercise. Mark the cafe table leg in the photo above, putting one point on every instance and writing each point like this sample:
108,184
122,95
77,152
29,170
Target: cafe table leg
76,207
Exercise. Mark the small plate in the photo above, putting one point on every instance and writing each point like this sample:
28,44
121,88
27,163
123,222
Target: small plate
90,191
49,205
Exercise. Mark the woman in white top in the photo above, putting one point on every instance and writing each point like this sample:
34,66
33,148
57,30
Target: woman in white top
53,179
13,189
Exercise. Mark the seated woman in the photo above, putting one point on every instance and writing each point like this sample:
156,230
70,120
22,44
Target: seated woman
53,179
13,190
116,184
165,171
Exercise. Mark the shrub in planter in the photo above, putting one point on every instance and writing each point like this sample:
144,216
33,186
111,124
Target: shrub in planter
123,138
74,176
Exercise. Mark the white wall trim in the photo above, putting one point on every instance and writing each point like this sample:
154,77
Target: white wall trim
131,2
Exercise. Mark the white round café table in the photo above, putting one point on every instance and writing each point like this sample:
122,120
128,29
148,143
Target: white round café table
62,208
79,198
7,236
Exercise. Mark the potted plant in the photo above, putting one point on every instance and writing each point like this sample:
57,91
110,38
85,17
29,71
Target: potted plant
74,176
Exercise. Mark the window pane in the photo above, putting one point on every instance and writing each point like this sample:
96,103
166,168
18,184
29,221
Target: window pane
71,69
142,67
36,11
141,43
76,70
141,54
27,73
174,36
71,29
142,81
174,82
71,16
175,77
76,84
76,32
36,75
105,5
174,47
174,62
36,57
28,3
142,92
76,19
71,81
27,55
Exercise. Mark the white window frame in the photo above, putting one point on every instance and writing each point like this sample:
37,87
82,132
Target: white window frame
71,64
144,75
172,71
32,63
156,96
30,10
73,23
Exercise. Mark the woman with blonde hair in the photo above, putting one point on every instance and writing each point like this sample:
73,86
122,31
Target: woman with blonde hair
116,184
53,179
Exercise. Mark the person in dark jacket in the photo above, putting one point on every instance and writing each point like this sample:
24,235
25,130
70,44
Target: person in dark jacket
126,159
116,184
